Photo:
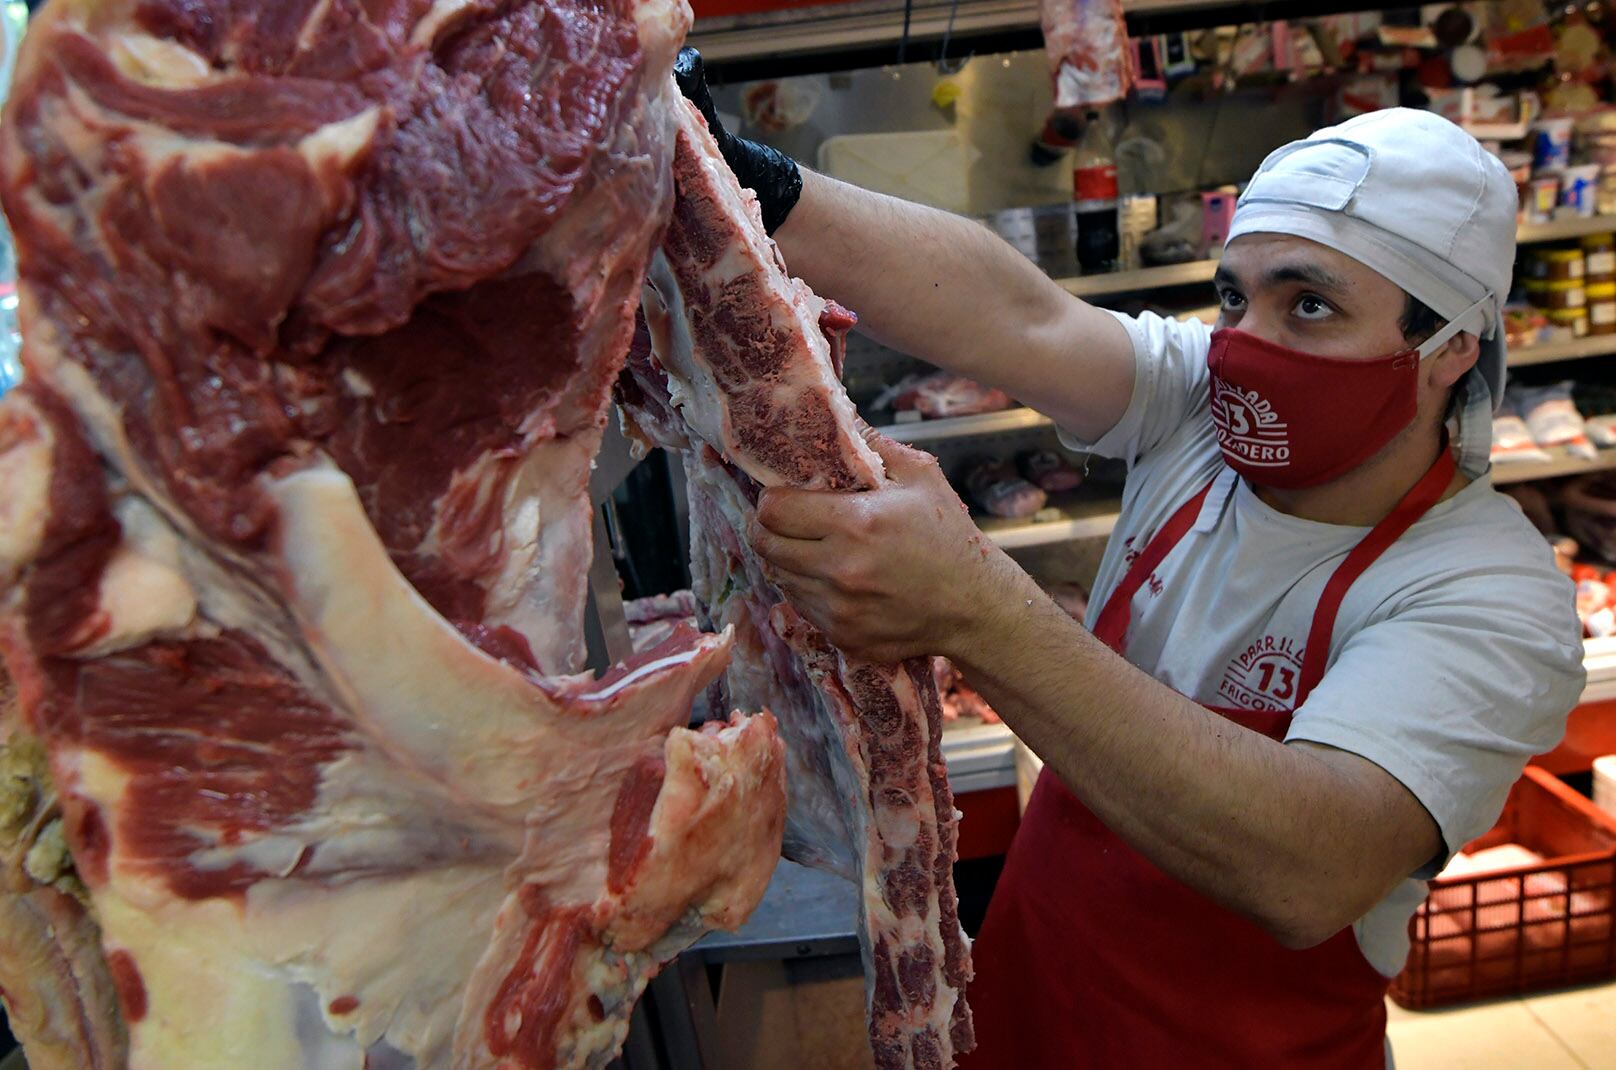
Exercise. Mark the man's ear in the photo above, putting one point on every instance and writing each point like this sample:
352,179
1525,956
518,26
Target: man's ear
1449,364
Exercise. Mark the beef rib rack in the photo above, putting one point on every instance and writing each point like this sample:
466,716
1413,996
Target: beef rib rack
737,369
323,301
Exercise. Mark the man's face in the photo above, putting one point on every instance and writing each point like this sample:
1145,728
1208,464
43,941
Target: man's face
1302,295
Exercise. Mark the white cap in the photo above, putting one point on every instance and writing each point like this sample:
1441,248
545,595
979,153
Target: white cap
1412,196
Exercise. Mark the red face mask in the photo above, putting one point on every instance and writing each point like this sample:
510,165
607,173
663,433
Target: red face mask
1289,419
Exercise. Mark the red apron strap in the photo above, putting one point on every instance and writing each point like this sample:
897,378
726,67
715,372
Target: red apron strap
1415,504
1112,627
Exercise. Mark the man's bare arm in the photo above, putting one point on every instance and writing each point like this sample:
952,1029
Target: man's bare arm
951,292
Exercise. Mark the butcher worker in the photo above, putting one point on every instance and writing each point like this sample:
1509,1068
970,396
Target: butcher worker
1321,646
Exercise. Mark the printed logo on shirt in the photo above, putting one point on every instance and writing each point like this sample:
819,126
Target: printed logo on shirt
1248,427
1264,676
1154,583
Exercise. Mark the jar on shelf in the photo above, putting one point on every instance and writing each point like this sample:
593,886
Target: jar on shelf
1602,308
1557,295
1568,322
1599,258
1555,265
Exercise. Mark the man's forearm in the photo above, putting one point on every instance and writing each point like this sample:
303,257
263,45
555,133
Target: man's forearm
1301,840
949,291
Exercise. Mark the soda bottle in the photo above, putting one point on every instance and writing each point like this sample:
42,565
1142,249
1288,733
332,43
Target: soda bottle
1094,188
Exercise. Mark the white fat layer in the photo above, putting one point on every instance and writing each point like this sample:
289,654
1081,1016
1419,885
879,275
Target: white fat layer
25,478
158,62
144,594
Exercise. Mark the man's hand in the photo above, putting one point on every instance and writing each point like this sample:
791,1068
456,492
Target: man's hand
887,574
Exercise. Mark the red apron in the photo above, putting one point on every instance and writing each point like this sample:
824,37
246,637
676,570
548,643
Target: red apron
1092,957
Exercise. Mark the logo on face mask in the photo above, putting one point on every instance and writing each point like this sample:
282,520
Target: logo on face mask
1248,427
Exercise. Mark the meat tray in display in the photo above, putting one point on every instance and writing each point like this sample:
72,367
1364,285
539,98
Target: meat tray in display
323,303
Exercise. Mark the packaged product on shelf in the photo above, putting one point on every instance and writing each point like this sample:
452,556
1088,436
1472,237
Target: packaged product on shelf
1567,324
1602,308
1599,255
1525,326
1555,265
1512,441
1049,471
996,489
1553,419
1601,430
1558,294
1578,187
940,395
1542,195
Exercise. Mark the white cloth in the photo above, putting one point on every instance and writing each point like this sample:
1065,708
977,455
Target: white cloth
1455,657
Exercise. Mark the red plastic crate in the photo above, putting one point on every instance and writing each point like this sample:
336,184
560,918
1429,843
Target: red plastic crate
1527,928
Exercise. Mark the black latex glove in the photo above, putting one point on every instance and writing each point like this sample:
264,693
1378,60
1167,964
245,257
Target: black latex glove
769,173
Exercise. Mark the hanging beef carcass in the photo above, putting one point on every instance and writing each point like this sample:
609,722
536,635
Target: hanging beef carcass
322,304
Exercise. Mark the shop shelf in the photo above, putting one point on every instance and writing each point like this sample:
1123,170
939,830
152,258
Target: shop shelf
978,756
1151,278
1580,349
1569,227
874,23
1561,463
1066,520
1155,278
988,423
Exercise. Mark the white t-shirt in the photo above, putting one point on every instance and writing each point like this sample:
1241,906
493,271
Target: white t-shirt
1455,658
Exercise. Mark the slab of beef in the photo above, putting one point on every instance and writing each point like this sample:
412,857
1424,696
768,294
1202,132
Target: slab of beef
1087,42
1049,471
322,304
940,395
736,371
994,487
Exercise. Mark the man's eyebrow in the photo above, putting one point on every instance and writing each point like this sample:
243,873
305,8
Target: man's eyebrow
1311,274
1224,277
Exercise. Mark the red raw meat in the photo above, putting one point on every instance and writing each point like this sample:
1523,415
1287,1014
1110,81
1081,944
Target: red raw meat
960,699
1089,55
996,489
941,395
322,302
737,372
1049,471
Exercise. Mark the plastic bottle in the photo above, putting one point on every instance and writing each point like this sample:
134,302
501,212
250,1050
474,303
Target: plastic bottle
1094,188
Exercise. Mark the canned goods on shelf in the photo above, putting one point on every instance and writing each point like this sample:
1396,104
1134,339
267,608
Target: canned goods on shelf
1573,321
1557,294
1602,308
1556,265
1599,252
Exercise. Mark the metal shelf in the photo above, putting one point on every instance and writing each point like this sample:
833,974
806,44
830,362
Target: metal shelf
1155,278
1562,463
987,423
815,31
1561,229
1075,519
1581,349
1151,278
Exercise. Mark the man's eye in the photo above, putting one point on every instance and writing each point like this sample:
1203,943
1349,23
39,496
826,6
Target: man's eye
1313,308
1232,302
